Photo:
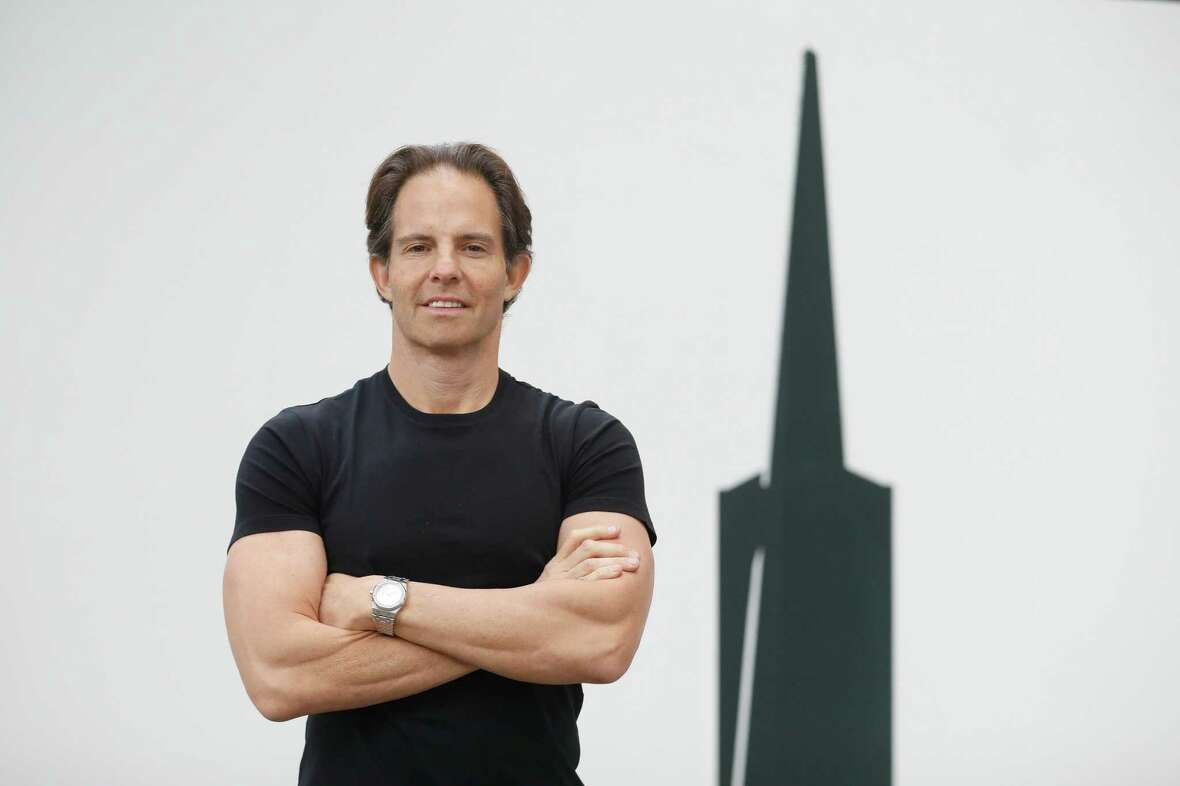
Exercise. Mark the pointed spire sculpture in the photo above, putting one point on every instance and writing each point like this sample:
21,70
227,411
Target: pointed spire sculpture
806,563
807,418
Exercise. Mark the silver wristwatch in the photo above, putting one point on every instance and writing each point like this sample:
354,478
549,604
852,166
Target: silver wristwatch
388,598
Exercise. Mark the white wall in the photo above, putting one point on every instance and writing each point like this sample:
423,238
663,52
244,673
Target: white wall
182,254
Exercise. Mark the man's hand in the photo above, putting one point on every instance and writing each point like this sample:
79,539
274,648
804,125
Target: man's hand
583,557
346,603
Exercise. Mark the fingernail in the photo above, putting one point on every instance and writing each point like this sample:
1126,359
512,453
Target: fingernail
632,561
613,528
633,554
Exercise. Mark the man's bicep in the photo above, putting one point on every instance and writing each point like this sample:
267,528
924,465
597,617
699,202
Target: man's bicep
633,588
284,570
271,580
632,533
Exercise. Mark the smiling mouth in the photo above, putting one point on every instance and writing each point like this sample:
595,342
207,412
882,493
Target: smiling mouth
441,307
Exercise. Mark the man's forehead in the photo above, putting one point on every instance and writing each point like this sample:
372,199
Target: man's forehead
443,201
443,185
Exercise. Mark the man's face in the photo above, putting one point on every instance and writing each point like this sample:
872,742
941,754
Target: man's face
447,246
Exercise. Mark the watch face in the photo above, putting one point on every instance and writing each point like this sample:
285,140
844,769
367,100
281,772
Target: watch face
389,595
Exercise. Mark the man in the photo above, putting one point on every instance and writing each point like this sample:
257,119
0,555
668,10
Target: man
429,564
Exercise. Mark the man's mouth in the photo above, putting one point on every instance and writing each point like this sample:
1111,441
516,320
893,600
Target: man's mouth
448,305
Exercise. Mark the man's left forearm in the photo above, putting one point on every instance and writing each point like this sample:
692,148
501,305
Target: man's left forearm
556,632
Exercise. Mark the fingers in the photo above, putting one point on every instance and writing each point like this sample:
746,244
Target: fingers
604,568
604,572
579,536
599,548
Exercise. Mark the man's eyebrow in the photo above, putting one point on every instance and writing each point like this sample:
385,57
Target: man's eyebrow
477,236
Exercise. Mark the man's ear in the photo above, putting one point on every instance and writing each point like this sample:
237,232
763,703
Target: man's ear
518,271
379,270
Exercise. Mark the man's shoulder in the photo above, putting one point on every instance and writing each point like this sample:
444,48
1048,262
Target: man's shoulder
563,416
324,413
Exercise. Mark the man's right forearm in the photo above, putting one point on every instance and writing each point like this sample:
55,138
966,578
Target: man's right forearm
324,669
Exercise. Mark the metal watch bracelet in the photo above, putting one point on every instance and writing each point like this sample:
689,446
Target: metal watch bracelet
385,619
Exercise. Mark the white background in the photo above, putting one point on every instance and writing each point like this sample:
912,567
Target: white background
182,255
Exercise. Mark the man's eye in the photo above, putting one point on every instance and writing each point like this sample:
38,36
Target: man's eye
417,248
475,247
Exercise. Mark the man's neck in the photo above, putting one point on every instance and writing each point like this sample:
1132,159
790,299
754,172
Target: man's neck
444,384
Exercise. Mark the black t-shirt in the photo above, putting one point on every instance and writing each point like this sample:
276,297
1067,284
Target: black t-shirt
467,500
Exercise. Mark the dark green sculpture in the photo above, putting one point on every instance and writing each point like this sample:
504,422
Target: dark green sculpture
806,576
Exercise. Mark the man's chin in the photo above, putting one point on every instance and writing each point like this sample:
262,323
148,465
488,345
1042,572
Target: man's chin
443,344
447,338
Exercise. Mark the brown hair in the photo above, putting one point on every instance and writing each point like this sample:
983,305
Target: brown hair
516,221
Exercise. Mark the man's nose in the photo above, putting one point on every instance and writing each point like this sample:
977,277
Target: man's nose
446,264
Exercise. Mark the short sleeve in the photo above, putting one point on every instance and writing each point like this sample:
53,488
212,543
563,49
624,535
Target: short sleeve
278,480
604,471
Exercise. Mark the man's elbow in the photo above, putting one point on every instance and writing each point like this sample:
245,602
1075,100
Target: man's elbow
275,710
605,671
611,663
274,698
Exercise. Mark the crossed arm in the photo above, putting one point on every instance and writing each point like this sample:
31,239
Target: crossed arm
303,641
